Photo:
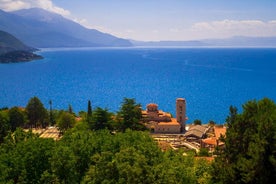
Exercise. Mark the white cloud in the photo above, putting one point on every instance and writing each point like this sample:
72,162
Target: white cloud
273,22
83,22
12,5
228,28
211,29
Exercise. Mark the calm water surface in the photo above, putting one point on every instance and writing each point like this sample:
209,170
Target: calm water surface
210,79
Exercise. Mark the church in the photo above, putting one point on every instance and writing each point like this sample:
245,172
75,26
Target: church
162,122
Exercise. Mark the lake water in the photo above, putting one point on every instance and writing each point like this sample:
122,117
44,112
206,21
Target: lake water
210,79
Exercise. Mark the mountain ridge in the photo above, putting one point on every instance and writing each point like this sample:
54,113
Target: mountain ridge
10,43
40,28
43,29
235,41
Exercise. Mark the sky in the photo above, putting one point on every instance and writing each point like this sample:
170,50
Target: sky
156,20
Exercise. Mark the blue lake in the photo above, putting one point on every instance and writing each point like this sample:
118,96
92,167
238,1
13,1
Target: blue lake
210,79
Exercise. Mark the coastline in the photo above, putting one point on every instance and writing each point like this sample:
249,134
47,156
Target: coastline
19,57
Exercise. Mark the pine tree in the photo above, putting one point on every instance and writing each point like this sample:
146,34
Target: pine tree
130,115
101,119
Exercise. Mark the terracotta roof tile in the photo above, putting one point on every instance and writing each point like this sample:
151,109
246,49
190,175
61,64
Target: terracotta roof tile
219,131
210,140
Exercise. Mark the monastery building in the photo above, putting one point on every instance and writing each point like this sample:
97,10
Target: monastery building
162,122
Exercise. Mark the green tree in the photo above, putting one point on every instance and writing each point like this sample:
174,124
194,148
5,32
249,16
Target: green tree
89,109
37,114
132,166
101,119
51,115
130,115
211,123
250,145
70,109
203,152
63,162
16,118
103,169
66,121
83,115
89,117
233,112
24,158
4,125
48,177
197,122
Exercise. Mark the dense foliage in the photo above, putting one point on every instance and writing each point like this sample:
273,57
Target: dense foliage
249,155
84,156
104,147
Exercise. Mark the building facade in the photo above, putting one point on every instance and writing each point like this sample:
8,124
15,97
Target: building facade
159,121
181,113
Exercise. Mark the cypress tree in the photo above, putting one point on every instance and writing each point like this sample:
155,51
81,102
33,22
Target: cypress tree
51,113
89,109
70,109
89,114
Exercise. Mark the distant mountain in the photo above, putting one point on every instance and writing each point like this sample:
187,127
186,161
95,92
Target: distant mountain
9,43
13,50
243,41
40,28
169,43
237,41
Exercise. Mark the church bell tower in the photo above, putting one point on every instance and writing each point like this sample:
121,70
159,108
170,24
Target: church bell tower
181,113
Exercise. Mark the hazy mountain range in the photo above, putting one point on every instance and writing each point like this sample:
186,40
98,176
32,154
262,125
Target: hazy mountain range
238,41
9,43
40,28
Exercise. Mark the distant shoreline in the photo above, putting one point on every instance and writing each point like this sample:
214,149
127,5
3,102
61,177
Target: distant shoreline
19,57
147,47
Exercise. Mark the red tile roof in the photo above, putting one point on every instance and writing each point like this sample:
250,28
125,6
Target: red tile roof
210,141
219,131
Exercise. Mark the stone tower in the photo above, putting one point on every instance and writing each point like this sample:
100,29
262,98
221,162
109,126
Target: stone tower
181,113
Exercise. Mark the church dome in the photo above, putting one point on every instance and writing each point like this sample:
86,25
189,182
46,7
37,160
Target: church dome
152,107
